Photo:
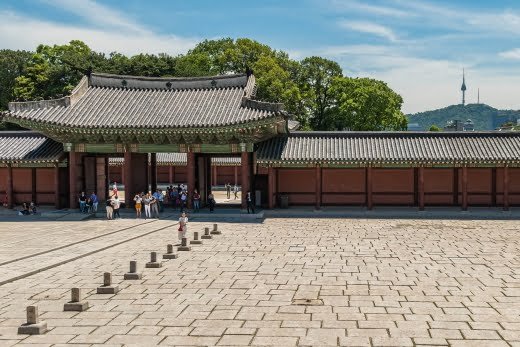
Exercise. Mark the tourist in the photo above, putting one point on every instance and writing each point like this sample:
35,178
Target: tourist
179,189
147,200
32,207
110,209
154,205
250,203
183,226
184,200
138,201
228,190
95,201
116,204
174,196
25,210
82,202
211,202
235,190
88,205
196,200
159,196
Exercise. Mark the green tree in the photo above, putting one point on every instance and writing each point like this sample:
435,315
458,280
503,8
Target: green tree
434,127
364,104
12,65
315,79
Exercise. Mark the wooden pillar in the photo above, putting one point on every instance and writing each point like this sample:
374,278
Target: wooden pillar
455,186
369,187
420,189
73,180
270,187
506,188
493,186
57,197
236,174
153,171
214,174
245,177
170,174
128,179
33,188
464,188
190,175
318,187
9,188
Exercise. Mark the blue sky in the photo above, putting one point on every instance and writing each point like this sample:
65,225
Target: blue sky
418,47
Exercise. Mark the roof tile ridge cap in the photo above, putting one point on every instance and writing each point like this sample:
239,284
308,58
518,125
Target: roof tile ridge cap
261,105
167,78
78,92
18,106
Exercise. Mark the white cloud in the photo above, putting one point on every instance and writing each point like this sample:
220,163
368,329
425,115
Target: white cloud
20,32
369,28
512,54
351,5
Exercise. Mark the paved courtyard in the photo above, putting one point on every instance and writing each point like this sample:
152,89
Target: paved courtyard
372,283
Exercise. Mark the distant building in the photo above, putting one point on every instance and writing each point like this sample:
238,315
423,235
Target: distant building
468,125
454,125
414,127
463,88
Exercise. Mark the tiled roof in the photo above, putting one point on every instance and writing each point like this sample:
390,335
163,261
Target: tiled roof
181,160
392,147
110,101
28,146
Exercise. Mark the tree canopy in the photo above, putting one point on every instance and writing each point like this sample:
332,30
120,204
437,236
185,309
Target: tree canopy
313,90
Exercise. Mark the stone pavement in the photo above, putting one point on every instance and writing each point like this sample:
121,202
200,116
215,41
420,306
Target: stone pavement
372,282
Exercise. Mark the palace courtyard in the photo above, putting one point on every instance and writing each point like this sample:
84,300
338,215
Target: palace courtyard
279,282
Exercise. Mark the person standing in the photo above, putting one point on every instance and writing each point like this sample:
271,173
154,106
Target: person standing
159,197
154,206
82,202
235,191
183,226
211,202
110,209
95,201
147,201
196,200
184,200
116,204
228,190
250,204
138,202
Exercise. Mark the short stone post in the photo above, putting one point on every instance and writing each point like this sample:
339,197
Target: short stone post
76,304
107,287
132,274
215,230
33,326
153,263
184,245
169,253
207,235
196,240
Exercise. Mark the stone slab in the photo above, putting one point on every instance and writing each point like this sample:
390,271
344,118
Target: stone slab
33,329
132,276
108,289
79,306
153,265
184,248
170,256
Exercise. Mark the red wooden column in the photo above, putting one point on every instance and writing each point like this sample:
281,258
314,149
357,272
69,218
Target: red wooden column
236,174
245,178
57,204
369,187
506,188
214,174
190,175
464,188
33,188
153,171
127,178
318,187
10,195
73,180
170,174
420,189
270,187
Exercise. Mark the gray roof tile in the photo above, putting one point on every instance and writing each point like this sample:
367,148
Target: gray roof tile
27,146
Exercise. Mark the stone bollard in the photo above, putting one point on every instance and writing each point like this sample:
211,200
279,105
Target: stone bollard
33,326
107,287
153,263
184,245
132,274
196,240
169,253
207,235
215,230
76,304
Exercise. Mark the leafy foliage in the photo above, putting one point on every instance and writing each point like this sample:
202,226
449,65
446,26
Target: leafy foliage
313,90
434,127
